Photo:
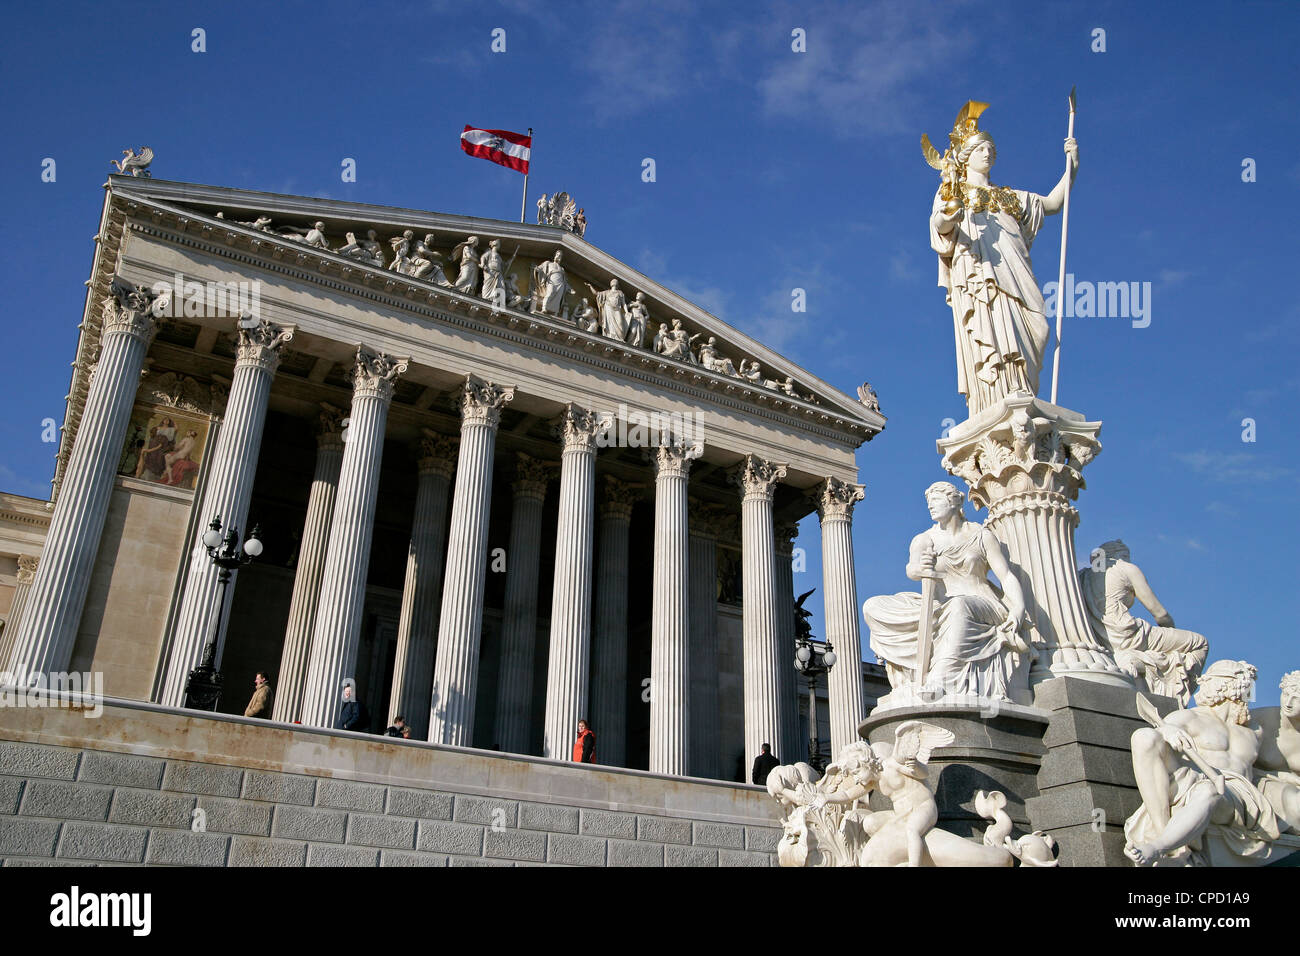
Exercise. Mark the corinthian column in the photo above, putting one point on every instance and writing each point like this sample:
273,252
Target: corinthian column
609,643
311,565
669,623
835,501
455,672
703,609
792,743
48,628
519,616
1023,459
566,672
26,574
337,633
231,470
765,707
416,642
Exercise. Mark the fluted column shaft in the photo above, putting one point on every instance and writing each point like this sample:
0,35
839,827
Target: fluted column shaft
48,629
292,678
703,611
229,489
609,642
792,743
337,635
519,616
422,591
670,621
567,668
460,624
765,707
27,566
840,600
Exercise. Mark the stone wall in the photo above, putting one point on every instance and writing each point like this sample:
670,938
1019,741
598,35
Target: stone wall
126,788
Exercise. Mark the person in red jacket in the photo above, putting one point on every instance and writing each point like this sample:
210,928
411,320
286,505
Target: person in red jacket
584,748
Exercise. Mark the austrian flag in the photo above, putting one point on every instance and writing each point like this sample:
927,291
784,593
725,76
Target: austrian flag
499,146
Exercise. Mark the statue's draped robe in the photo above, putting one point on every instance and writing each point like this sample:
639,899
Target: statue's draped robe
468,278
551,287
613,314
491,264
997,307
968,657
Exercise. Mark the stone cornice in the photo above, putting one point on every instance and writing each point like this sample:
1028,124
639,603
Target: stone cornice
277,254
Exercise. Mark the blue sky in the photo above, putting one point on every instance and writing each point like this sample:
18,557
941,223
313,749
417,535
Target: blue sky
775,170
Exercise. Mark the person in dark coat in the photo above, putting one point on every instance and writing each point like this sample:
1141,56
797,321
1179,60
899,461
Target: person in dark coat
584,747
353,716
398,728
763,765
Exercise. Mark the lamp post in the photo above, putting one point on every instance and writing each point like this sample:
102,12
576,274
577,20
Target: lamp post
203,686
812,659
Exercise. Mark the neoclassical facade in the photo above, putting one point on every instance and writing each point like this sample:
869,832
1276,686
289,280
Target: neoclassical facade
503,482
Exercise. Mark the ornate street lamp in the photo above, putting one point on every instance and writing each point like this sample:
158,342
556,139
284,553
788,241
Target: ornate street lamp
203,686
811,659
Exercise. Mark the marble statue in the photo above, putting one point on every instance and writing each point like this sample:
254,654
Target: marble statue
1193,769
542,205
261,223
961,636
466,255
613,311
867,396
550,285
137,164
826,821
638,320
315,236
585,317
514,298
710,358
1169,659
1277,768
675,342
427,262
403,263
751,371
982,234
366,250
491,264
580,222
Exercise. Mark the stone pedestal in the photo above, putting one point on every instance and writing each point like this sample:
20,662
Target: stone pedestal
999,746
1086,787
1023,460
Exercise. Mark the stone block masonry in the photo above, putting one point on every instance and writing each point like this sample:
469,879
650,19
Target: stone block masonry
256,793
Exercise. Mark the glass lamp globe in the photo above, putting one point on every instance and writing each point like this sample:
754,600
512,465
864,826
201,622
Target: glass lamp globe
829,658
212,537
803,654
253,546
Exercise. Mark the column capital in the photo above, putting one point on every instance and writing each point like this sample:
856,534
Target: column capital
578,427
481,402
784,534
375,374
531,477
618,499
436,453
673,460
27,568
758,477
134,311
329,428
835,499
259,346
708,520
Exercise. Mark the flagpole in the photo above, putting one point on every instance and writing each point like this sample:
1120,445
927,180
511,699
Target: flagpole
1060,284
523,203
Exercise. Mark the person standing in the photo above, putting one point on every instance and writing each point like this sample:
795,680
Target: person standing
353,716
763,765
584,747
260,703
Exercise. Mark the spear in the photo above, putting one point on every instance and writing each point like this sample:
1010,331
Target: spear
1060,283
